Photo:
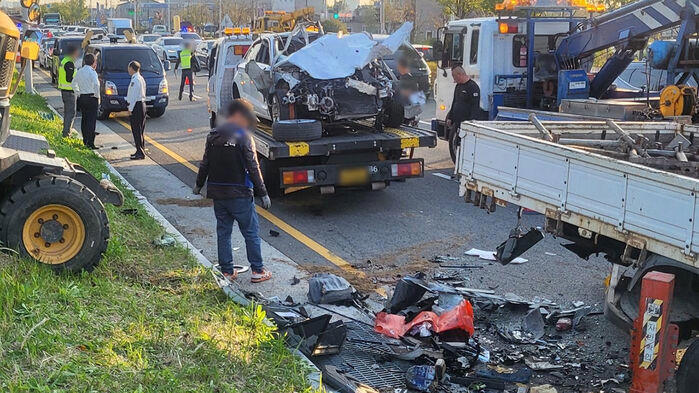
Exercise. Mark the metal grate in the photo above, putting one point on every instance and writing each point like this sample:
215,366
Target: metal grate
9,45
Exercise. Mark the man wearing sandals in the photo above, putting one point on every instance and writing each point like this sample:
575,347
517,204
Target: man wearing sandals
232,175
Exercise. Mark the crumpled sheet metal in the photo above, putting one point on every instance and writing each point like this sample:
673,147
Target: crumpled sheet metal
460,317
333,57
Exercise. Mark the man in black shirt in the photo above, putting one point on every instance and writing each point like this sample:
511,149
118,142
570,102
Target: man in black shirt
465,106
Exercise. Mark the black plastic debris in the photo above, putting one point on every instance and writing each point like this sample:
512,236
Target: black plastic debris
319,336
273,233
523,375
343,382
326,288
406,294
517,244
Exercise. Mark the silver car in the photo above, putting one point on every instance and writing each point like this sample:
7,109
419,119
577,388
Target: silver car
168,48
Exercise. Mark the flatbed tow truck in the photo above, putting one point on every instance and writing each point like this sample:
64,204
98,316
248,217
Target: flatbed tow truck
355,156
628,190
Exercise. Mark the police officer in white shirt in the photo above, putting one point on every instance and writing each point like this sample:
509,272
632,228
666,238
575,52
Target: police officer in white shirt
86,85
136,98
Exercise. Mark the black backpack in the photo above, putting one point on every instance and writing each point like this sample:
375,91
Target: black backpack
196,67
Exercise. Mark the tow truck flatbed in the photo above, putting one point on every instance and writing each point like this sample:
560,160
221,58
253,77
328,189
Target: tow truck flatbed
357,156
363,137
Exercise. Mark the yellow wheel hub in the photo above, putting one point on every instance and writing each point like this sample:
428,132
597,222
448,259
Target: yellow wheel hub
53,234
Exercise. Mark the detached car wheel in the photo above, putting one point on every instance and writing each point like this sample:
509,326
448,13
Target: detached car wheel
687,377
56,221
299,130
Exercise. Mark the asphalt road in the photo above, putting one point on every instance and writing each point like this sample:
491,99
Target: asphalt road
386,233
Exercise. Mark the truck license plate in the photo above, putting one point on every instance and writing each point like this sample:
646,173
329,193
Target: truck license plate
354,176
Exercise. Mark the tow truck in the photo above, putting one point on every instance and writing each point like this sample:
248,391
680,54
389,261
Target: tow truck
51,210
549,49
281,21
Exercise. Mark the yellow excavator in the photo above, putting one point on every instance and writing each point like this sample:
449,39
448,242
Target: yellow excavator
51,210
281,21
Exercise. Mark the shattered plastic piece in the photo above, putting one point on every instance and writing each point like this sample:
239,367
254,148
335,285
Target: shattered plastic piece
421,377
564,324
533,324
458,318
578,304
517,244
422,330
541,366
164,241
273,233
579,314
543,389
490,256
406,294
329,289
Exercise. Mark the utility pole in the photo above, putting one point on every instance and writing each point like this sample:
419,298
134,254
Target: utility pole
169,17
28,77
382,17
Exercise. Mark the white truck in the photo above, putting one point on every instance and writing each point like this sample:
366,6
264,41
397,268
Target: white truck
224,57
627,190
116,28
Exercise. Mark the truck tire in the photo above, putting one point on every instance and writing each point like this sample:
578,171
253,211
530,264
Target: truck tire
394,115
687,378
299,130
270,175
57,221
155,112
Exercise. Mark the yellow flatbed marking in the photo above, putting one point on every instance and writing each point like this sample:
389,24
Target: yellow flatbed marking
298,149
407,139
281,224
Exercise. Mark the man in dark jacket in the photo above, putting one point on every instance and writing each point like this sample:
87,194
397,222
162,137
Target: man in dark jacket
466,105
232,175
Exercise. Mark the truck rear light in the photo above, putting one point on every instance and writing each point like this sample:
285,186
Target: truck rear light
406,169
298,177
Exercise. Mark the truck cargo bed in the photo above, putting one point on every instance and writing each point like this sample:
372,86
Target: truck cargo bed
650,210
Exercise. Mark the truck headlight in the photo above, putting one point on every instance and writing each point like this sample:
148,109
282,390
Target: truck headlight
110,88
162,88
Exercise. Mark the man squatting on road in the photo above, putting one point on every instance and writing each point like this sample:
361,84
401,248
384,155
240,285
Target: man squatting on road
232,175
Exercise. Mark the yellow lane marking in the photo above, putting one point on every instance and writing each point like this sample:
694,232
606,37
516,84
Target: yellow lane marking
298,149
281,224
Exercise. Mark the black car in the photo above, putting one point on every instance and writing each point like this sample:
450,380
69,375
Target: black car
112,68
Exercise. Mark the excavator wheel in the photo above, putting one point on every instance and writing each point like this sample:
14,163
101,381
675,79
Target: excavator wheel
57,221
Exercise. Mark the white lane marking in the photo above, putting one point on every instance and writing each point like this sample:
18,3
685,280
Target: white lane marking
442,175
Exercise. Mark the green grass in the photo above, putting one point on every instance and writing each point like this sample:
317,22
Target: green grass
147,319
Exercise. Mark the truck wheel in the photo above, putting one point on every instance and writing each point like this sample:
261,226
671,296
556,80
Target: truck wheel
270,174
453,144
687,377
57,221
299,130
155,112
102,114
395,114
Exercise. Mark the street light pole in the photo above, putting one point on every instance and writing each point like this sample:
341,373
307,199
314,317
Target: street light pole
169,18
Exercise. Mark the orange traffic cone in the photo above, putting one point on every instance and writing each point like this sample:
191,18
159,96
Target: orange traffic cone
186,80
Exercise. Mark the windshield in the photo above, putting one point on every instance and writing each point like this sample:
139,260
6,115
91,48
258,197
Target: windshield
172,41
121,30
119,59
149,38
63,45
190,36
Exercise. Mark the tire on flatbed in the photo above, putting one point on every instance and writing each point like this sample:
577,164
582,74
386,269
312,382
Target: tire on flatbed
299,130
57,221
687,377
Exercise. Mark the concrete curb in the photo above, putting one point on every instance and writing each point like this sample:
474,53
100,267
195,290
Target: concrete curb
314,378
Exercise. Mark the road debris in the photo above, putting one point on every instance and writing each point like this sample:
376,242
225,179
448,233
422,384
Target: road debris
329,289
165,240
490,256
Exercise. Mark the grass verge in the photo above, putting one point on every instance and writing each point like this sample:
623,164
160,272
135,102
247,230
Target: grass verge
147,319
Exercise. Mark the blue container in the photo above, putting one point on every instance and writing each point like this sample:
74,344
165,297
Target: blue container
660,52
573,84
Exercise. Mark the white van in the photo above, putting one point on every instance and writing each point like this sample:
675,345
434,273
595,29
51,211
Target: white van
117,26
